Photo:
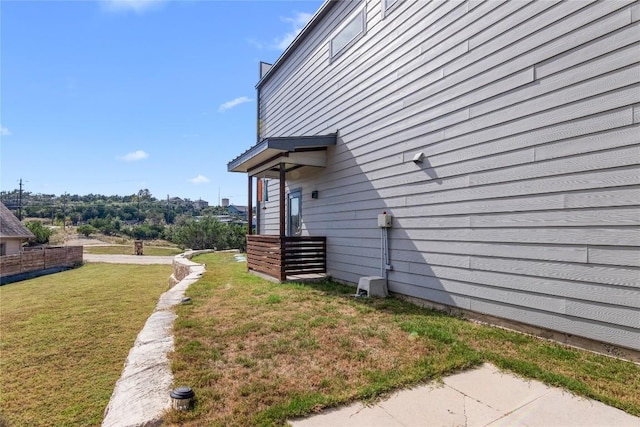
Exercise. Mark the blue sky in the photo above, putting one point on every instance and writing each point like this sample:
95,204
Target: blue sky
110,97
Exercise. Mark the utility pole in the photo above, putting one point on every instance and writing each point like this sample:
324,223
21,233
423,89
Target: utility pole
20,201
64,211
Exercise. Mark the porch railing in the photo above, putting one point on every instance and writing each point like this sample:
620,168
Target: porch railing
280,257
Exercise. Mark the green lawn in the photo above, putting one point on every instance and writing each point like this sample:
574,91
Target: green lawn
65,337
258,353
255,352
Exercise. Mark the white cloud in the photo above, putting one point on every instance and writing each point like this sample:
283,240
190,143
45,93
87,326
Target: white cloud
256,43
135,156
200,179
233,103
298,21
137,6
4,131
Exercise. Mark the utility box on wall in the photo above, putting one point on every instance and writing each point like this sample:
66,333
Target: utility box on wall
384,220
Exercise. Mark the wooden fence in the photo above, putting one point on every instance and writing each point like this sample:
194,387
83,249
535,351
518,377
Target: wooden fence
280,257
35,259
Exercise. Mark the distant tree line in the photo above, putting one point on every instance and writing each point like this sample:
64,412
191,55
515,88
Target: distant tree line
141,207
139,216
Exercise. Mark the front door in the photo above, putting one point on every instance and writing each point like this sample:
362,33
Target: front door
295,213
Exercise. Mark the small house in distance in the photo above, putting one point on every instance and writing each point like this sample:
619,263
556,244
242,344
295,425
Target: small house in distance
17,264
12,232
239,211
502,138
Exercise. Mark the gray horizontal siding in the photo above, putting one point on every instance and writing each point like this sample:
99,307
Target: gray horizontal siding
527,204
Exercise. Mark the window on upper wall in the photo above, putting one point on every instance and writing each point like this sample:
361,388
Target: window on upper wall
352,31
387,5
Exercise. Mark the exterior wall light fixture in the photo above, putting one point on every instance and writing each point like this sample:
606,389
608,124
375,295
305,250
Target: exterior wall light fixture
418,157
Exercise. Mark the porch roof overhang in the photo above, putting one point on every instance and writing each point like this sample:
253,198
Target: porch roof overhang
264,159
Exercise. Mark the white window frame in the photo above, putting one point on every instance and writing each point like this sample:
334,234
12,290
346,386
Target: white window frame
388,6
359,16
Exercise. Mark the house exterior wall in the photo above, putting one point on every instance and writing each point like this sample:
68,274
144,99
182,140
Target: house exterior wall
12,246
527,204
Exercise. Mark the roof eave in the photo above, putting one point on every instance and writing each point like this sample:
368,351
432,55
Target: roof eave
270,148
21,237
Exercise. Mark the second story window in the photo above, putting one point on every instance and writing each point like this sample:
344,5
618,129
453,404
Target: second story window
348,34
387,5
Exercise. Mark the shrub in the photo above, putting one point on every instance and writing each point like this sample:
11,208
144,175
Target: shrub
41,232
106,226
87,230
236,237
208,233
145,231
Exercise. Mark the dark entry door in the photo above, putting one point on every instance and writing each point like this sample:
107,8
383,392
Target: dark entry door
295,213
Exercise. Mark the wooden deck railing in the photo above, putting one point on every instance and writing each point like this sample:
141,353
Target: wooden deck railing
280,257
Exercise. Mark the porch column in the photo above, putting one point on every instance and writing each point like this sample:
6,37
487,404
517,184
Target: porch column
250,206
282,201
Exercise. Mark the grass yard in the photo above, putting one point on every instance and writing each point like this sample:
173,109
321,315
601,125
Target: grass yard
65,337
258,353
129,250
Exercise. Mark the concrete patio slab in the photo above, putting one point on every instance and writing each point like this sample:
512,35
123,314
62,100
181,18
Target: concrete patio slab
560,408
446,406
495,389
479,397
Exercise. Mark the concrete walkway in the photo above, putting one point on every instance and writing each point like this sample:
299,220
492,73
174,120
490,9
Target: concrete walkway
141,395
128,259
481,397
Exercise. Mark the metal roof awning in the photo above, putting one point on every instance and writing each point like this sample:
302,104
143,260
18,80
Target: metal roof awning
264,159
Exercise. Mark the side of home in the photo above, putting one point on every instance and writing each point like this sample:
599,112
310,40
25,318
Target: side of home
17,263
523,118
12,232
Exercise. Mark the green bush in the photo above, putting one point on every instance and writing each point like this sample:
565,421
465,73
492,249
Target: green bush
87,230
236,237
107,226
208,233
41,232
145,231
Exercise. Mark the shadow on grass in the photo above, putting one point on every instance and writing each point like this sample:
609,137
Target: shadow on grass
584,373
247,328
